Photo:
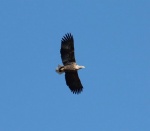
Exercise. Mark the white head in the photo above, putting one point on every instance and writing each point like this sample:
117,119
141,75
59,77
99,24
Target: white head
80,67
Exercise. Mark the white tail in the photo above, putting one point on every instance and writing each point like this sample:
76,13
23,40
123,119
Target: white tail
57,69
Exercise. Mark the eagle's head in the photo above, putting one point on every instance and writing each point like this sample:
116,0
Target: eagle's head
80,67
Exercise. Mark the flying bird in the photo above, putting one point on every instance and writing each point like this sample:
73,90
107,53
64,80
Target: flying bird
69,67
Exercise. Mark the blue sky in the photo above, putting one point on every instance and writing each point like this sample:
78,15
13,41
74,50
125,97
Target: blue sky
112,40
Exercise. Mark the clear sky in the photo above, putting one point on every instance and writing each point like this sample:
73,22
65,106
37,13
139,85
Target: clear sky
112,40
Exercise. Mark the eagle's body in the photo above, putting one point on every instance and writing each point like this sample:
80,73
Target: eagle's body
70,67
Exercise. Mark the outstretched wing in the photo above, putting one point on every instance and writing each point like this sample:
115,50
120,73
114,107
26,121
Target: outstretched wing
67,49
73,81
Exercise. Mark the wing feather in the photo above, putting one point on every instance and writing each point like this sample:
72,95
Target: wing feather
73,82
67,49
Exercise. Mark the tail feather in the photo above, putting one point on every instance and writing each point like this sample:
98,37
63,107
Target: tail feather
57,69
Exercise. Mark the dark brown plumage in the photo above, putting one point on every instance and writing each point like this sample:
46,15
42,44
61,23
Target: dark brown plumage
67,49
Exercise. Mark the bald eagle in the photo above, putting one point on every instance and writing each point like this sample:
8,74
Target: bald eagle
69,66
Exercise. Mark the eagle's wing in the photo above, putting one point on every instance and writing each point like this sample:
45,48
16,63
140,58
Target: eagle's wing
67,49
73,81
